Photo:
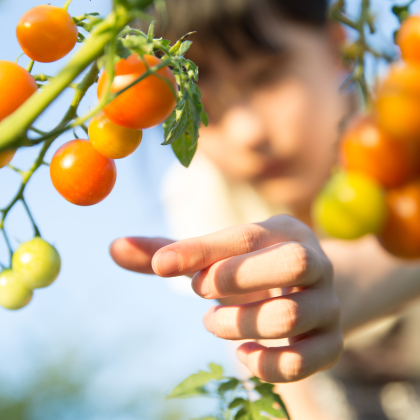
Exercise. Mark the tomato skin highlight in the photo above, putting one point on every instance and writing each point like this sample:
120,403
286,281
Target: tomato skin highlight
82,175
46,33
366,149
112,140
144,105
13,295
350,206
16,86
401,234
408,39
36,264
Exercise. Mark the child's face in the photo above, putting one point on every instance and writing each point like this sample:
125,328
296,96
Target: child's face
274,120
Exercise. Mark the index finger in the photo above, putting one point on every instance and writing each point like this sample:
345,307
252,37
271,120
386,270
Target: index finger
195,254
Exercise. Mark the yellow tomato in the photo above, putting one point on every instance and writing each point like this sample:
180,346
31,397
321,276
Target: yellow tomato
12,294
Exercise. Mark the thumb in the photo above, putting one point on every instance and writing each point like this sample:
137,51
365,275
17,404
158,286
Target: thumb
136,253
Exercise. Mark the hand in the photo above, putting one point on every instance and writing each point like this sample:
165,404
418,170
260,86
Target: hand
256,260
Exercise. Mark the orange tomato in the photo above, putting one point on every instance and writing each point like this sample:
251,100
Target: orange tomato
401,235
6,157
16,86
112,140
46,33
398,103
365,148
408,39
81,174
144,105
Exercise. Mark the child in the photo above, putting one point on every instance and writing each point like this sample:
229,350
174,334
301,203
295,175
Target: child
270,77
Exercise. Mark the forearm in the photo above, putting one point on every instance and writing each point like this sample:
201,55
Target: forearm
369,282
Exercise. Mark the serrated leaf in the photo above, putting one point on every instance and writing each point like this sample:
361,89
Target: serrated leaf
178,123
184,47
236,403
228,386
193,385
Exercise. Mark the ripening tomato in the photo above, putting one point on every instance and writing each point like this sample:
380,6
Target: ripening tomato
349,206
112,140
46,33
81,174
36,263
16,86
12,294
408,39
6,157
398,103
365,148
146,104
401,234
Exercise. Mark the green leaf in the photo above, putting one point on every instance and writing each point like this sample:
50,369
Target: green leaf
402,12
151,31
236,403
178,123
194,384
228,386
242,414
265,405
185,147
185,46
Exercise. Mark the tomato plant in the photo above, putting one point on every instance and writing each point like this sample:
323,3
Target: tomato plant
16,86
36,264
149,102
112,140
12,294
366,149
81,174
401,234
46,33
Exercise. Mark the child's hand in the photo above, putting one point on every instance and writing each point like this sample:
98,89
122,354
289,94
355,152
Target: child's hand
253,261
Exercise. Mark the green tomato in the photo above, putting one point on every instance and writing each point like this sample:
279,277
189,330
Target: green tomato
350,206
12,294
36,263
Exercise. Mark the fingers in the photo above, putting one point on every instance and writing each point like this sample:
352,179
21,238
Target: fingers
295,362
287,264
136,253
280,317
192,255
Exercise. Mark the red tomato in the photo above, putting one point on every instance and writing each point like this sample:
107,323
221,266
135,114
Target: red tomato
408,39
401,235
367,149
6,157
16,86
46,33
81,174
112,140
146,104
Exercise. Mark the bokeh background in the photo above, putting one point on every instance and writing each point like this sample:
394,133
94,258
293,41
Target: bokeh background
101,342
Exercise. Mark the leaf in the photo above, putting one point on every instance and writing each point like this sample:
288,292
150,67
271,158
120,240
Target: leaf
228,386
185,147
242,414
178,123
193,385
265,405
237,402
402,12
151,31
185,46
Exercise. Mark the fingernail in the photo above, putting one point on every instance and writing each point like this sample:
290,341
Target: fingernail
208,320
167,263
199,286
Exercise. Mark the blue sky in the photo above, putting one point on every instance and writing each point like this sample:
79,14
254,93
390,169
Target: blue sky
140,333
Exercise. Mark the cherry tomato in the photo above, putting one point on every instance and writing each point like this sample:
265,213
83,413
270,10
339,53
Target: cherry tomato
112,140
349,206
398,103
46,33
16,86
81,174
6,157
408,39
367,149
401,234
146,104
12,294
36,264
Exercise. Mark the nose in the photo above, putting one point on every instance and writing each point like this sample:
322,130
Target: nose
243,125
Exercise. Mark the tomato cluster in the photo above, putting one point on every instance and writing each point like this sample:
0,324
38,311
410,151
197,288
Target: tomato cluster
384,149
83,171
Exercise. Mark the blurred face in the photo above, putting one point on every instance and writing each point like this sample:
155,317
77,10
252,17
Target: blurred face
274,118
